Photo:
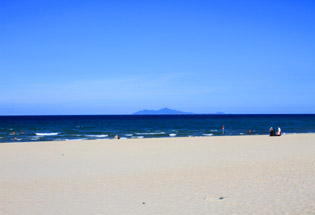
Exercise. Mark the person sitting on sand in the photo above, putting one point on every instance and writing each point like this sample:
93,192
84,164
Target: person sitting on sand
279,131
271,131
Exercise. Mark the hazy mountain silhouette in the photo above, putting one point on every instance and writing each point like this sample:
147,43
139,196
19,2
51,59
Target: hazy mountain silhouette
161,111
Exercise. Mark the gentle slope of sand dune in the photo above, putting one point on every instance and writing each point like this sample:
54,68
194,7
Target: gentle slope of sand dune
196,175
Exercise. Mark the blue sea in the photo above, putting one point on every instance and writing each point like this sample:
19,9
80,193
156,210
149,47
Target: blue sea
57,128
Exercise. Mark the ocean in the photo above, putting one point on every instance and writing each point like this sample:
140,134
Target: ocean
89,127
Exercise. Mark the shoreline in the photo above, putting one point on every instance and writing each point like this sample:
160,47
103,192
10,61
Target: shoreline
149,138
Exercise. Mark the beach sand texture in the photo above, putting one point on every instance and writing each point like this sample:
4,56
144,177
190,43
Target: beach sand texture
163,176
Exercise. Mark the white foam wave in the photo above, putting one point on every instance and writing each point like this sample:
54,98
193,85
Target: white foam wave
128,135
138,137
100,135
123,138
172,135
151,133
46,134
241,133
75,139
207,134
35,138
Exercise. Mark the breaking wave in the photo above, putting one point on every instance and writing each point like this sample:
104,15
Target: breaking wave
207,134
97,135
46,134
152,133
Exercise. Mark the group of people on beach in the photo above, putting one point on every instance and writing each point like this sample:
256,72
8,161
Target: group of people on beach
273,131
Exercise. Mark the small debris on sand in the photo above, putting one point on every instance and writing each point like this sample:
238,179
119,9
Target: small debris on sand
213,198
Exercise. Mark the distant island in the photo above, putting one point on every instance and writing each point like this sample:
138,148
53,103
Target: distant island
167,111
161,111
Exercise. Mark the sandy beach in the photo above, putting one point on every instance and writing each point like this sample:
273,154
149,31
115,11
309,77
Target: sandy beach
191,175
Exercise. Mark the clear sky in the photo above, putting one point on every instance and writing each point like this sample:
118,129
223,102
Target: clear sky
118,57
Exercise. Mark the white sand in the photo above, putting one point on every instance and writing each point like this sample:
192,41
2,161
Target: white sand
253,175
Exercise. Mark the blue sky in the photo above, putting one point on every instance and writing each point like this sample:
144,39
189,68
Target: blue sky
118,57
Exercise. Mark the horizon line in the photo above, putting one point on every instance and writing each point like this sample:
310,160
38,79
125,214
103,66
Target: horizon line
159,114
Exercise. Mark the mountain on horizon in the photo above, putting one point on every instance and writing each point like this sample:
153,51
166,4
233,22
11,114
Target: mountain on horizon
161,111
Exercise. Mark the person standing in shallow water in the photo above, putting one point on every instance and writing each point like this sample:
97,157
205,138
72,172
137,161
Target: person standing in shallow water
249,132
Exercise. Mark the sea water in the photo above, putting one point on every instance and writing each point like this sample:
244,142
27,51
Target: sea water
56,128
